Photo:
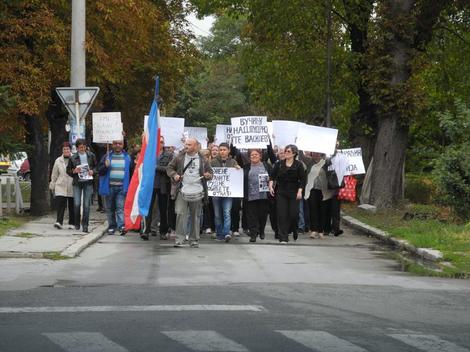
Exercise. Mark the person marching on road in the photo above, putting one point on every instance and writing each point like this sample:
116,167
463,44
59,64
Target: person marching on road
191,171
114,170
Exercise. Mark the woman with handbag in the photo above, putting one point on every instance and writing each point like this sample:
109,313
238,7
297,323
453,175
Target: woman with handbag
289,175
61,186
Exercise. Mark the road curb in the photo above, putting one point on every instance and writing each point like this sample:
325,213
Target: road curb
425,253
79,246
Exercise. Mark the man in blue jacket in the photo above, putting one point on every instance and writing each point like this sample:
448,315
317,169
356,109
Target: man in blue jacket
114,181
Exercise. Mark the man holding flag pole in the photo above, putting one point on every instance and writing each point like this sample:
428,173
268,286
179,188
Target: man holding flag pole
140,190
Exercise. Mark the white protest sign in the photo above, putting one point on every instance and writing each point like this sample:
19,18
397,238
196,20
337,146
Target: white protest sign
172,130
227,182
356,164
250,132
285,132
317,139
200,133
223,134
107,127
270,131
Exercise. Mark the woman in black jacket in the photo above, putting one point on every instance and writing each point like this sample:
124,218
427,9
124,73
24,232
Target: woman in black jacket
289,175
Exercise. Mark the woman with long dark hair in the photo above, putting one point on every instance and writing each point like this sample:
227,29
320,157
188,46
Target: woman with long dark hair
289,176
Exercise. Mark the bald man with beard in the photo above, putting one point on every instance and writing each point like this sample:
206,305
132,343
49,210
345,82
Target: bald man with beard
190,171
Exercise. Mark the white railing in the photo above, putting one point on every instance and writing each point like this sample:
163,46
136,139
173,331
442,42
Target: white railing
10,194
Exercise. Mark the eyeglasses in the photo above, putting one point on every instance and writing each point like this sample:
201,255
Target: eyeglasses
288,151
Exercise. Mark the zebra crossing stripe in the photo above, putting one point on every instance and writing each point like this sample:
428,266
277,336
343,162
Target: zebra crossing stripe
321,341
205,340
428,343
84,342
152,308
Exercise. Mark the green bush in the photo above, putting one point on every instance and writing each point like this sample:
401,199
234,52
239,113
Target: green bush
452,168
419,189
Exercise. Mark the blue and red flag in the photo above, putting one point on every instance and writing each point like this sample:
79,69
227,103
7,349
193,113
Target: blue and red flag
139,194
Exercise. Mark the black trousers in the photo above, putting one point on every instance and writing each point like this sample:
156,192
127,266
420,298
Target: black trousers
161,200
61,203
257,215
208,216
287,215
235,214
273,216
335,213
171,214
319,211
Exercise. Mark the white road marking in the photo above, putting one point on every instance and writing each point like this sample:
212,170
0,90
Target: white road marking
428,343
84,342
154,308
321,341
205,340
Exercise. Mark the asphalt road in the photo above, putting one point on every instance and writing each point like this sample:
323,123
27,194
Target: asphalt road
123,294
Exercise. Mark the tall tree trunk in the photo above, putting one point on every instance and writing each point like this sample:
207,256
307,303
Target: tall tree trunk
362,132
39,164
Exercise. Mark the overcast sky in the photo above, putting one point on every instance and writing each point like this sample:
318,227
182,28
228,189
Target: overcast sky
200,27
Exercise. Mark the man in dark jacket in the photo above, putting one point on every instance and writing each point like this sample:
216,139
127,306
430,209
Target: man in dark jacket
161,193
190,171
81,167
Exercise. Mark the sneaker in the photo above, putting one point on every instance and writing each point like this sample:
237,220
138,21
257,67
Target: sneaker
71,227
178,244
227,238
58,226
186,239
252,239
296,236
236,234
208,231
313,235
194,244
144,236
123,232
283,242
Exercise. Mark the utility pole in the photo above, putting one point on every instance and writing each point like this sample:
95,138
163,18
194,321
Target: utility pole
328,63
77,66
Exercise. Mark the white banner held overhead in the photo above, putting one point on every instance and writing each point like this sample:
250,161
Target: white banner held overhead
223,134
200,133
356,164
285,132
317,139
250,132
172,130
227,182
107,127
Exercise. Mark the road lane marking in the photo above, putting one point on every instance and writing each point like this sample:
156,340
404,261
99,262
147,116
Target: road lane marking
205,340
428,343
153,308
84,342
321,341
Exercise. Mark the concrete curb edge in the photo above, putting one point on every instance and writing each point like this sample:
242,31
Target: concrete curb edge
80,245
425,253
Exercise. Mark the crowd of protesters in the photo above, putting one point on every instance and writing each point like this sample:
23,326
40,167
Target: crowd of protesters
297,190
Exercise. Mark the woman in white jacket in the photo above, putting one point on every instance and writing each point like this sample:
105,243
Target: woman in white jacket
61,186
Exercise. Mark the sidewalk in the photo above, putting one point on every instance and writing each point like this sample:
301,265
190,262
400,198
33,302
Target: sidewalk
40,239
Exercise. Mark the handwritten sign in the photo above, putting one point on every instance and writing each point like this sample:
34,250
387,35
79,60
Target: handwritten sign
317,139
107,127
356,164
250,132
200,133
172,130
227,182
223,134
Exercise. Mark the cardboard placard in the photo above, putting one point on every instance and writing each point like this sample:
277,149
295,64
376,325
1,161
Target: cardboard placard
227,182
250,132
107,127
356,164
317,139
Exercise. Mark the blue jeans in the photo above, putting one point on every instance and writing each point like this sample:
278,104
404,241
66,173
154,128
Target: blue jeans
114,203
87,189
222,208
301,223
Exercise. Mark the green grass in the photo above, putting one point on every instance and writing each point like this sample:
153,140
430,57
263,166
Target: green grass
24,235
54,256
11,222
453,240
